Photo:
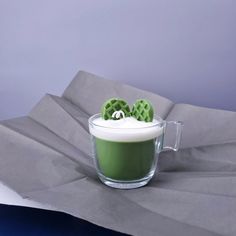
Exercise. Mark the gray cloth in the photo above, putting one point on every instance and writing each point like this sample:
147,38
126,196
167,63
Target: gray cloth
46,157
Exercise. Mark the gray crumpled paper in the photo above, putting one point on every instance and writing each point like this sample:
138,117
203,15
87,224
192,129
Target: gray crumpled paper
46,157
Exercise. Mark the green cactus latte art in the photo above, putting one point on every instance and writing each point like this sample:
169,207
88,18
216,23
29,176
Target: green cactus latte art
124,141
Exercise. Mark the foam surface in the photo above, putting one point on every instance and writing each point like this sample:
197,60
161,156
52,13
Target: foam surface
125,130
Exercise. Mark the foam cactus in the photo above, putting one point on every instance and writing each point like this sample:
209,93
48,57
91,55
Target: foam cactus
115,109
142,110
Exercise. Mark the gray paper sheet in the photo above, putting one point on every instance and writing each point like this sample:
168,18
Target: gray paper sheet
46,157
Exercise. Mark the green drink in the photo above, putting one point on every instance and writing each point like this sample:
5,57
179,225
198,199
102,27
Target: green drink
126,143
125,151
125,160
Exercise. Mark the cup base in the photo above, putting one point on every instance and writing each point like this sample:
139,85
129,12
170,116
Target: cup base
125,184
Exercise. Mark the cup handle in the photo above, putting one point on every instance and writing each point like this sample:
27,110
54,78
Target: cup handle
178,126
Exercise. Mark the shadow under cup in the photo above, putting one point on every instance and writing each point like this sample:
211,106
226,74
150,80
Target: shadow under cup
127,160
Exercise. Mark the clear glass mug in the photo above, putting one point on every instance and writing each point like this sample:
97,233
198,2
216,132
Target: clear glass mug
129,160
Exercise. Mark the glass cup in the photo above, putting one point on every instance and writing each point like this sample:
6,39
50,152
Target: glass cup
129,161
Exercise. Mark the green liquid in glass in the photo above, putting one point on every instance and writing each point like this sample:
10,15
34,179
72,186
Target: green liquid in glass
125,160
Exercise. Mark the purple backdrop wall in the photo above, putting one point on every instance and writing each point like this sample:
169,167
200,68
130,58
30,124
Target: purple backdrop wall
184,50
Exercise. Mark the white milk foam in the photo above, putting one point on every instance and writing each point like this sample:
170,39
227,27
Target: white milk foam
125,130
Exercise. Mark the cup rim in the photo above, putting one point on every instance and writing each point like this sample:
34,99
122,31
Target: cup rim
158,118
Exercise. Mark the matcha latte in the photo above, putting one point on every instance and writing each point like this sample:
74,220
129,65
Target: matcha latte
125,149
126,142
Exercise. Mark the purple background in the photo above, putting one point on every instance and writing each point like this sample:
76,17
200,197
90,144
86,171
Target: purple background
184,50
